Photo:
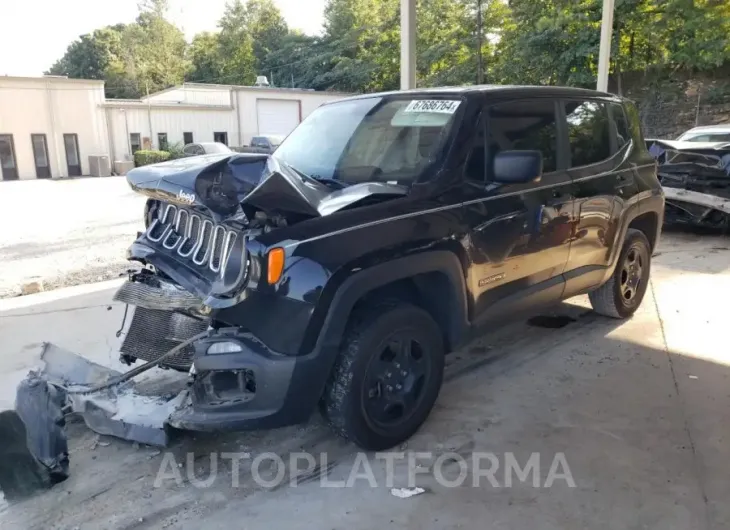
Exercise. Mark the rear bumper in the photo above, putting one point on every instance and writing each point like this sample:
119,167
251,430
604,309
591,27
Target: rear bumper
253,388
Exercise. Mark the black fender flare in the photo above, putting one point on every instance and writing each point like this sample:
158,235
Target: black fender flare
367,280
312,370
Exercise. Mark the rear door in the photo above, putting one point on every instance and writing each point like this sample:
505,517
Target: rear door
520,233
603,179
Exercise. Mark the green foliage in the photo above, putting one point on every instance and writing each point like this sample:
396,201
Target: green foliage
523,41
175,150
146,157
148,55
206,58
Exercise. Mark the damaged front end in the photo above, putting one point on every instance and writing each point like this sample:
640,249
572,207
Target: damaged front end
696,182
200,251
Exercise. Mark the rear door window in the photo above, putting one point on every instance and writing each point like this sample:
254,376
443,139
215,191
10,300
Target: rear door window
588,132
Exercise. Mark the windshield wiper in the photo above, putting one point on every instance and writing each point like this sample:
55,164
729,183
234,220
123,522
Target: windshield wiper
327,181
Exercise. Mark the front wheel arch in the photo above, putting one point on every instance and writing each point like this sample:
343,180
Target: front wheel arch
423,279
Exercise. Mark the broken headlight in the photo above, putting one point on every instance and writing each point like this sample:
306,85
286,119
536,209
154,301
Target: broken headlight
150,211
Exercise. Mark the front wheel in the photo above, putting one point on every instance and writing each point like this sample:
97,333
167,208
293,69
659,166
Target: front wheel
387,377
622,294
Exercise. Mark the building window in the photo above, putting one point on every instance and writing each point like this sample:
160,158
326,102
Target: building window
73,158
135,142
187,138
8,168
221,137
40,155
162,141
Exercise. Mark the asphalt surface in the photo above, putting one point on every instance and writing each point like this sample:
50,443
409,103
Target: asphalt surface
65,232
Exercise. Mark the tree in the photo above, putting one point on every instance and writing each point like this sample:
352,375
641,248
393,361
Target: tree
236,45
206,58
155,49
132,58
96,55
268,30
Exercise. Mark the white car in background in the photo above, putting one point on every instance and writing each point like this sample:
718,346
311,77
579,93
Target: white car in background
707,133
205,148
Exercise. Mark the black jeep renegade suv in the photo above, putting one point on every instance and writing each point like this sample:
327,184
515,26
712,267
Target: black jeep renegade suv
387,228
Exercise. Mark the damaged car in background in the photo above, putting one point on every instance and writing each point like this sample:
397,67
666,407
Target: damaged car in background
696,181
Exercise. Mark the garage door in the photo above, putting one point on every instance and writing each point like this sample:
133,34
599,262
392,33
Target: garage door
277,116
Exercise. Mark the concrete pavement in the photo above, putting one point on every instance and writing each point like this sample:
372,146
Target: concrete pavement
66,232
638,408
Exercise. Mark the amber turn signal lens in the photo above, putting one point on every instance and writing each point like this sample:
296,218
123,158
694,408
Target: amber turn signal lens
276,265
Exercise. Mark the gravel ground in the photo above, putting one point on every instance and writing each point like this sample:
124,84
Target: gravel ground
65,232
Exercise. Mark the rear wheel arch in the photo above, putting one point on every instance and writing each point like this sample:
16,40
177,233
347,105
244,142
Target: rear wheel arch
648,223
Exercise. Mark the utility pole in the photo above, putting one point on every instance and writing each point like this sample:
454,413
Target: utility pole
604,52
480,60
407,44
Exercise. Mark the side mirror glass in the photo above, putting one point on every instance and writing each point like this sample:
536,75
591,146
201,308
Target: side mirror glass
515,167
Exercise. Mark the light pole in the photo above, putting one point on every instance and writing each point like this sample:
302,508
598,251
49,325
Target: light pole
604,52
480,61
407,44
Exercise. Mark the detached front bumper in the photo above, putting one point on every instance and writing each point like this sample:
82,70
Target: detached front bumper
252,388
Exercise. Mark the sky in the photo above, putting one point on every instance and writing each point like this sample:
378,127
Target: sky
35,33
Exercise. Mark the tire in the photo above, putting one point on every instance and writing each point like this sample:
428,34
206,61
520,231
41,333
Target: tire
387,376
622,294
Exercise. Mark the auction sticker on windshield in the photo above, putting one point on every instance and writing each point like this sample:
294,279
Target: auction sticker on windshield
442,106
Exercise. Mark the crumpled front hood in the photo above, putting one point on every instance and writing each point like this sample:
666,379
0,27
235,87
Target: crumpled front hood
228,185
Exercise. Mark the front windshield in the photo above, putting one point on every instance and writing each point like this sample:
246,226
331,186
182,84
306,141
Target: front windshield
370,140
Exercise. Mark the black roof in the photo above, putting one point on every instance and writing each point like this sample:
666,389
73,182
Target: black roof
513,90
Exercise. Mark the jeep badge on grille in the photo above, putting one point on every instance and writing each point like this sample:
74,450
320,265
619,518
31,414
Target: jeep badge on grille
187,198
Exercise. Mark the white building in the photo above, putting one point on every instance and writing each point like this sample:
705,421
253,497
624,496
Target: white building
49,126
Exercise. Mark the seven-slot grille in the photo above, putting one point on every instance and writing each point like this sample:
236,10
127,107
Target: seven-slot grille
192,236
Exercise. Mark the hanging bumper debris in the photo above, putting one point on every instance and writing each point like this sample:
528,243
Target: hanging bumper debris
34,449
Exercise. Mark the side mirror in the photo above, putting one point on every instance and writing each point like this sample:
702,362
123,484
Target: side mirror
516,167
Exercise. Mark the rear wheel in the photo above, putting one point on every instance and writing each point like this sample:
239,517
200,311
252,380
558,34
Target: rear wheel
622,294
387,377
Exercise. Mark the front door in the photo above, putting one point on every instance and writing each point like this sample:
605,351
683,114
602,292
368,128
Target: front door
520,233
40,156
73,159
7,158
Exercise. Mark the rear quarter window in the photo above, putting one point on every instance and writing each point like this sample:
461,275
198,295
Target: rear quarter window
620,131
632,113
588,132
